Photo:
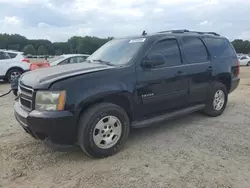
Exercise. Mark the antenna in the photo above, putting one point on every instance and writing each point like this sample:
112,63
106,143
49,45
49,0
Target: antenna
144,33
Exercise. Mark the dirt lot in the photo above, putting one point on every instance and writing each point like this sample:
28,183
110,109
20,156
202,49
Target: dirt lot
194,151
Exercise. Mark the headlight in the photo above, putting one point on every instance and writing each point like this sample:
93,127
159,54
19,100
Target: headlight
50,100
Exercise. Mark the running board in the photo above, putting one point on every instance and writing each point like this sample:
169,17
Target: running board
164,117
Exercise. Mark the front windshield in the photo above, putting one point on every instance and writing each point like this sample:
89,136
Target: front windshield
117,51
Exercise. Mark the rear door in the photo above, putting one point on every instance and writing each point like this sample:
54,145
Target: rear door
199,68
165,87
4,60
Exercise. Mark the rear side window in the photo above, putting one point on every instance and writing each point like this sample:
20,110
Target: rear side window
12,55
169,49
219,47
194,50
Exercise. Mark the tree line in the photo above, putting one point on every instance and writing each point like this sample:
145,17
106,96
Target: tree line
76,44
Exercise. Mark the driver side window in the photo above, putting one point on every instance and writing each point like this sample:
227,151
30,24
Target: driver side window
169,49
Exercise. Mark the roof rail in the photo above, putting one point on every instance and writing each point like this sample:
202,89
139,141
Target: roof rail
186,31
175,31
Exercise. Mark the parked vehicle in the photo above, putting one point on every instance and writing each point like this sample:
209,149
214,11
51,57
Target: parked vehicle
244,60
12,64
128,82
68,59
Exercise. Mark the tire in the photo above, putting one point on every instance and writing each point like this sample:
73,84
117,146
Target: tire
248,64
210,109
13,73
88,130
15,92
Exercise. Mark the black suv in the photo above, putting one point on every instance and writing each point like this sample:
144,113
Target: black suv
128,82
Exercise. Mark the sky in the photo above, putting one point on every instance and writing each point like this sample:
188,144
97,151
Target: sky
58,20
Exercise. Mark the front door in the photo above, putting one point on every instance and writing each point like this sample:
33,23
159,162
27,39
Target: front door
164,87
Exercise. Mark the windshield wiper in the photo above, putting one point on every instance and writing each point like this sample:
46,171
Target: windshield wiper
103,62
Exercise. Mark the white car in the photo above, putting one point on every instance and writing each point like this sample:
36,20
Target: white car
12,64
68,59
244,60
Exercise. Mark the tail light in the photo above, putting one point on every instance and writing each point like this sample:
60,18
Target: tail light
237,73
34,66
26,60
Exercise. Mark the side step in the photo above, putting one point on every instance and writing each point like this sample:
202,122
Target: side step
164,117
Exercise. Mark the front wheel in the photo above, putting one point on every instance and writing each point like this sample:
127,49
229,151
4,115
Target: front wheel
103,129
217,100
248,64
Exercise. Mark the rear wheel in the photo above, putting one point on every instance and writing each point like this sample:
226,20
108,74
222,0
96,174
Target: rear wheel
217,100
248,64
12,74
103,129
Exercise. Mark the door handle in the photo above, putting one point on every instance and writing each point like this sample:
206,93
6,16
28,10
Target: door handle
210,68
180,73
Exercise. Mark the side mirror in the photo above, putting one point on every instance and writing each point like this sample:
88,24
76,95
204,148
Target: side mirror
153,61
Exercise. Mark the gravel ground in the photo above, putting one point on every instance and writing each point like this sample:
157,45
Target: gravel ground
193,151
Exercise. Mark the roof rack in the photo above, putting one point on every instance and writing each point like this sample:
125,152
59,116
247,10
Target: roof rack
187,31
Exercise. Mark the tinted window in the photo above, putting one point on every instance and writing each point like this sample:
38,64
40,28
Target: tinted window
220,47
169,49
66,61
73,60
194,50
12,55
243,58
81,59
4,55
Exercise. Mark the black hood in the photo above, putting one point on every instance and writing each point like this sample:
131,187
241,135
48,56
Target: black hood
43,77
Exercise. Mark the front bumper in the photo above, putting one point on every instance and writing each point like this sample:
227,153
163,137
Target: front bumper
235,83
57,128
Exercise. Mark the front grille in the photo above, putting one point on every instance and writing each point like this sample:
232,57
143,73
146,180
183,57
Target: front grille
26,97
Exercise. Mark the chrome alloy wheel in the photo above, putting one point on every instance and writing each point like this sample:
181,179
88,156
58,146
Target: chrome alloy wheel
219,100
14,75
107,132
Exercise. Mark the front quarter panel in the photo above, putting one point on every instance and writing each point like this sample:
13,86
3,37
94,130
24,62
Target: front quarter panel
89,87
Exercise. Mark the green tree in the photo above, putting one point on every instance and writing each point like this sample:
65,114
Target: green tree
42,50
75,44
58,52
29,49
241,46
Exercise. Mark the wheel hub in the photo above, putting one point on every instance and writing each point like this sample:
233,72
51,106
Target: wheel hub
219,100
107,132
14,75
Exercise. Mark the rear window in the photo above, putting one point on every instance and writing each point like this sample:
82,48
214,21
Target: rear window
219,47
12,55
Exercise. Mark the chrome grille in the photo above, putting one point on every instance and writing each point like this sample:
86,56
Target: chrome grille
26,97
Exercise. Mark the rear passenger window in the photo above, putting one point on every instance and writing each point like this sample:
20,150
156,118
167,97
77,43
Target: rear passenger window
194,50
12,55
219,47
169,49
